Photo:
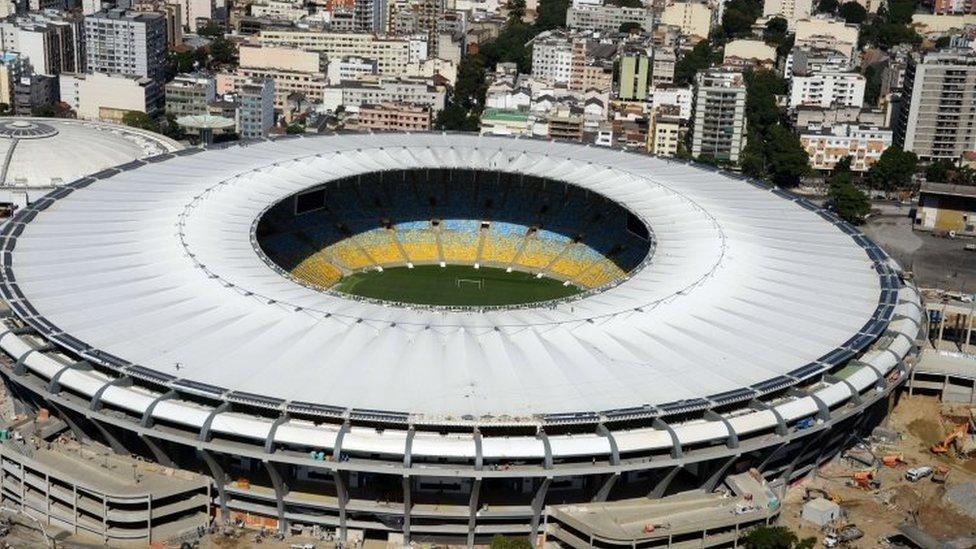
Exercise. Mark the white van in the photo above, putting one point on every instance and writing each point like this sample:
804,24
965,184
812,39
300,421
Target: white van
917,473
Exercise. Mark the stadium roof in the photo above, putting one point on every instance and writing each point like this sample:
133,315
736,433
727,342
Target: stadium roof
157,267
45,152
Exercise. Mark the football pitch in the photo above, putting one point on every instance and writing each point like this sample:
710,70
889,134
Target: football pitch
454,285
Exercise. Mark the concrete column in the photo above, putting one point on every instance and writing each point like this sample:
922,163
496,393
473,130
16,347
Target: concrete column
538,503
407,504
220,479
111,439
662,485
157,451
604,491
281,489
74,507
718,475
473,510
343,492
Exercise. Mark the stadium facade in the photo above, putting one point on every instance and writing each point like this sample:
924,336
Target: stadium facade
760,332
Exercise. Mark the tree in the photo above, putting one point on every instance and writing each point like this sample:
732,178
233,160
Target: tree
872,85
739,17
786,159
141,120
551,14
698,59
506,542
893,170
629,27
223,51
827,6
516,10
211,30
940,170
775,31
626,3
853,13
295,129
776,537
848,201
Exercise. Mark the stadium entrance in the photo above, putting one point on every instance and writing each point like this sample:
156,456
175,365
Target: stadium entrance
453,237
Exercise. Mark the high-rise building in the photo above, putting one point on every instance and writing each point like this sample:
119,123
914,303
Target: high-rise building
719,119
110,96
938,111
256,111
128,43
827,89
51,41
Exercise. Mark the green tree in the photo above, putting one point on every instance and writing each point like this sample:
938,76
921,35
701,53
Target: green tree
509,542
698,59
628,27
848,201
852,12
551,14
467,100
872,85
223,51
776,31
626,3
893,170
141,120
942,42
211,30
786,159
776,537
739,17
940,170
516,10
827,6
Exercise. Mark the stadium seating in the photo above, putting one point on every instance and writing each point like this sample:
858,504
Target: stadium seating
455,216
419,245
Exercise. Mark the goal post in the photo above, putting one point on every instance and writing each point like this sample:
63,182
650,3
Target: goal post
460,282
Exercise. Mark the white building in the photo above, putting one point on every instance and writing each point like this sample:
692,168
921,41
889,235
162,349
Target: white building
678,97
608,18
108,97
827,145
255,116
384,90
827,33
349,68
791,10
719,118
119,42
53,43
552,57
827,89
391,55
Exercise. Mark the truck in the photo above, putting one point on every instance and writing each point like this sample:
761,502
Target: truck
916,474
843,535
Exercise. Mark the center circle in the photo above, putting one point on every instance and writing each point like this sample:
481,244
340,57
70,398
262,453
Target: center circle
450,237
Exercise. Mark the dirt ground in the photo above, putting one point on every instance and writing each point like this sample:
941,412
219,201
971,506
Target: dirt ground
879,512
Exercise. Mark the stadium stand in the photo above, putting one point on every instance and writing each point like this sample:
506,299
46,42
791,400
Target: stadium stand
452,216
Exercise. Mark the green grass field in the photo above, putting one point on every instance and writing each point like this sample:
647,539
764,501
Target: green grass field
435,285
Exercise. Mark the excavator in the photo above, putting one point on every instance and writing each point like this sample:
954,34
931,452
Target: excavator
942,447
864,480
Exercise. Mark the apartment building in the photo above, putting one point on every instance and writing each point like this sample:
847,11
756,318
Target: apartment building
693,18
552,57
380,90
108,97
680,98
256,104
663,62
404,117
938,109
954,7
663,134
827,145
190,94
13,67
719,118
827,89
826,33
293,71
791,10
634,76
608,18
172,14
391,55
129,43
53,42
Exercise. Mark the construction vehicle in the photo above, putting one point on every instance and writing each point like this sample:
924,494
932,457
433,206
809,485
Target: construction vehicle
940,475
916,474
842,535
864,480
815,493
942,447
893,460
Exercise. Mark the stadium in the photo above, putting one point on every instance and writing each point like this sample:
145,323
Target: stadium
446,337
